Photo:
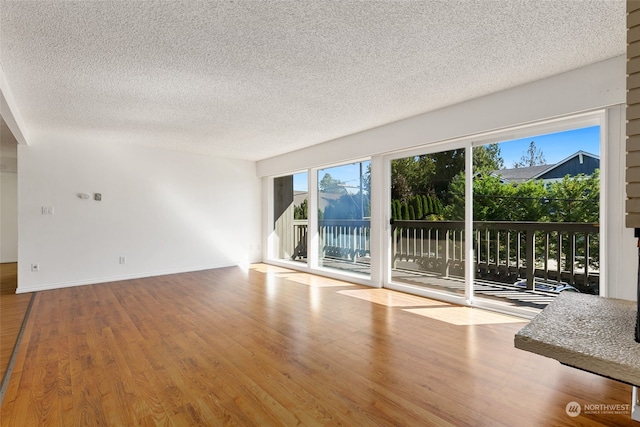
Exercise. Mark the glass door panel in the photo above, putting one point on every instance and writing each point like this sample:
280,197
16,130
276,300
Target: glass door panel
427,232
344,218
536,205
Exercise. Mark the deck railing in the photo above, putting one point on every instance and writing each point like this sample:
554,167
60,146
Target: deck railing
300,239
504,251
341,238
345,239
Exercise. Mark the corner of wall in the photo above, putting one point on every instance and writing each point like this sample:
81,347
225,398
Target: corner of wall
10,112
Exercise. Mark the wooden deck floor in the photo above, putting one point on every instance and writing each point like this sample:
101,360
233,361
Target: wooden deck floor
270,346
531,302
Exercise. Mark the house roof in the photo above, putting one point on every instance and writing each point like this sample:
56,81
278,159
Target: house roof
251,80
563,161
534,172
299,197
521,174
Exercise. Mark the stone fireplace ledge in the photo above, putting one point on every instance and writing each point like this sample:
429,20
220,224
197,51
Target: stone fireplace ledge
587,332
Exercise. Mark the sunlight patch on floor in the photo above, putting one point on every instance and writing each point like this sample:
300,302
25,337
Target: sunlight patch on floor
465,316
392,298
265,268
307,279
315,281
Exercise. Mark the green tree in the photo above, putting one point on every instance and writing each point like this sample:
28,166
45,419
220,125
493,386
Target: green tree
398,209
575,199
416,202
405,212
432,174
491,198
528,202
572,199
487,158
366,180
328,184
454,210
446,165
300,212
426,207
532,157
494,200
407,174
423,208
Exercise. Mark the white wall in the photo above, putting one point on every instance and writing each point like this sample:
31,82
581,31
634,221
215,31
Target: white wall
164,211
8,217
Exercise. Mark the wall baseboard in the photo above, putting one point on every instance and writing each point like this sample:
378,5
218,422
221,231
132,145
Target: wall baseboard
97,281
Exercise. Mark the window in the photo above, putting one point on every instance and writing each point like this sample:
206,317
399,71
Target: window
344,218
290,205
504,220
427,208
536,210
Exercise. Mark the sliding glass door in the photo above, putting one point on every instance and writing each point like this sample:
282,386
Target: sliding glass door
344,218
506,220
536,211
427,225
524,212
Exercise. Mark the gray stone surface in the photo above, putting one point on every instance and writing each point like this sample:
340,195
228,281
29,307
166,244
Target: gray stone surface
587,332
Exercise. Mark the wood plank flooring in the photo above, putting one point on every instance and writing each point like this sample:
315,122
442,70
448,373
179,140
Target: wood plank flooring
8,277
12,310
269,346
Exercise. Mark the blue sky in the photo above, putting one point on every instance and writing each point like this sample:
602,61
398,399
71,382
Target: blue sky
300,182
349,174
555,147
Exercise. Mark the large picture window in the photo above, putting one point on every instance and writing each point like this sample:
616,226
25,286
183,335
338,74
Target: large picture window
507,220
344,218
536,217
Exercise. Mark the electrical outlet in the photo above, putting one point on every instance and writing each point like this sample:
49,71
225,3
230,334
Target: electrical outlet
35,267
47,210
123,260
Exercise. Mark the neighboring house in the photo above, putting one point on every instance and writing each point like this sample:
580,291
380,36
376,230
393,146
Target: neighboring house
580,162
299,197
518,175
325,198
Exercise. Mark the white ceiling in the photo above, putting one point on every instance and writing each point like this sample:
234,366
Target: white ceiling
251,79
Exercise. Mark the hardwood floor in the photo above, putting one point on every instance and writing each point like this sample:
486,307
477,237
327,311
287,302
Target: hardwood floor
8,277
271,346
12,311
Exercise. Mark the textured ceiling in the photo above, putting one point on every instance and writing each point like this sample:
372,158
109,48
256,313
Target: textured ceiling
250,80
